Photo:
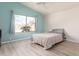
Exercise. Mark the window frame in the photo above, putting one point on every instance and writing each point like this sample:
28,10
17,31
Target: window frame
26,23
35,22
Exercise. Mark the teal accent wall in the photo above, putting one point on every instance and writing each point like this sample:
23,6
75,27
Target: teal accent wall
5,17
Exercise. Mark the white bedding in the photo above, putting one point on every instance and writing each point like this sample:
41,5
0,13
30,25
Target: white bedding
47,39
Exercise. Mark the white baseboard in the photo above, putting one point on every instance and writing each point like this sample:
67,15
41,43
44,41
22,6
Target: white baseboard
75,41
15,40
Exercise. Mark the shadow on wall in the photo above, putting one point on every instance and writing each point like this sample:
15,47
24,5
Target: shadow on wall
68,37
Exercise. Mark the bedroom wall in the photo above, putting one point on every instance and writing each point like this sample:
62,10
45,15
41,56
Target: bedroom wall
5,8
69,20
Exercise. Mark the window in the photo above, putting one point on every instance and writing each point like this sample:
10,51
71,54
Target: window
31,23
24,24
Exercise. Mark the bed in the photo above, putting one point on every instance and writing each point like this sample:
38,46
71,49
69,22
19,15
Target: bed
47,40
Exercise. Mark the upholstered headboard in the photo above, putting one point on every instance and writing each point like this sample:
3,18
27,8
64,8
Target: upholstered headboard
56,31
59,31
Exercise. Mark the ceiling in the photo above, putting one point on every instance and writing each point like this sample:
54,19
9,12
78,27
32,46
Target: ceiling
50,7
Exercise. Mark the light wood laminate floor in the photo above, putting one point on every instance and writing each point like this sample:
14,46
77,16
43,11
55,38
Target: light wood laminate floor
25,48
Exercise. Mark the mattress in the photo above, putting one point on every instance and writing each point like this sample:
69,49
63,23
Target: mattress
47,40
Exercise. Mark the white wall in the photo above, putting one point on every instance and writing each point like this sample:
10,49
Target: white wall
69,20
